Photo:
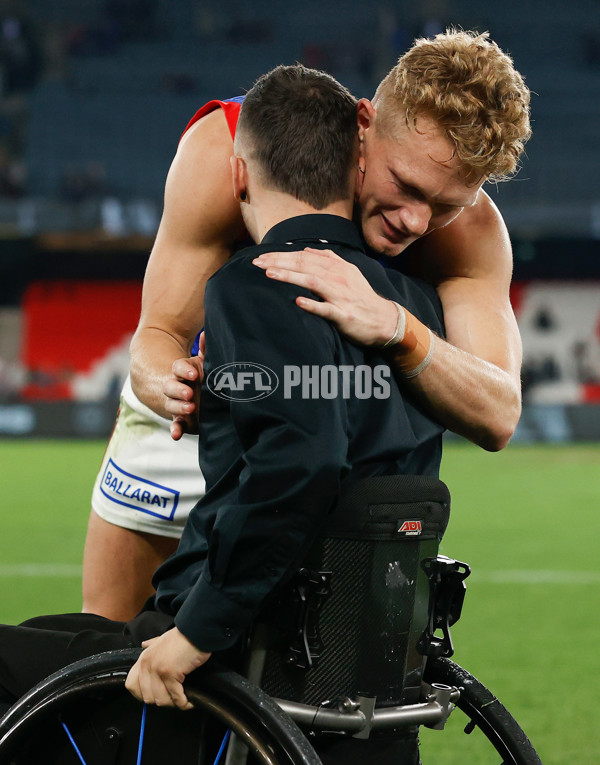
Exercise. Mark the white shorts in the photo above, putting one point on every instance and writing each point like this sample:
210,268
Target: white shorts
147,481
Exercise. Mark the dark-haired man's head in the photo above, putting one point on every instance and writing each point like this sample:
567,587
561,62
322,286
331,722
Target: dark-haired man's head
297,136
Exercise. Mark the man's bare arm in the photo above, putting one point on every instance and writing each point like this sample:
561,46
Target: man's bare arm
472,384
200,223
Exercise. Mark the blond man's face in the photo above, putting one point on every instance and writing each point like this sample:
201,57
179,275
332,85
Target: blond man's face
412,184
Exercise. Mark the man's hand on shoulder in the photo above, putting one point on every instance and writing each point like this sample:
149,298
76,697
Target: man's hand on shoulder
182,393
157,676
347,298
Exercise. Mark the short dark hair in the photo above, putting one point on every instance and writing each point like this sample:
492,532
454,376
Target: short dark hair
302,131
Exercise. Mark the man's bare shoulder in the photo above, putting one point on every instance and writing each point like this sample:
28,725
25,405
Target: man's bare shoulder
475,246
211,127
199,201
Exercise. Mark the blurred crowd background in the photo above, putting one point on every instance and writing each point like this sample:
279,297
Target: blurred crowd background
94,97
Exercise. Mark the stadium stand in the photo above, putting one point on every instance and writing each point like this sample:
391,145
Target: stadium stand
117,89
157,79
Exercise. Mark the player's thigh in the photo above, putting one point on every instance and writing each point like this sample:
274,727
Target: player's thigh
118,564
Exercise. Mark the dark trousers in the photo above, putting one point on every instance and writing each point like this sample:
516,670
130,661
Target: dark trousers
43,645
40,646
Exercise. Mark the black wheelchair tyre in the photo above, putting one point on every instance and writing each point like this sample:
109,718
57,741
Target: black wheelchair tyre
33,725
485,712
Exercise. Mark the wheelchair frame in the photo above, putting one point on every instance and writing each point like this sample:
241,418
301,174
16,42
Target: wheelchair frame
271,730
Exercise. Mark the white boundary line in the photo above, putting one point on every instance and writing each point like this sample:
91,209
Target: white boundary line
510,576
532,576
41,570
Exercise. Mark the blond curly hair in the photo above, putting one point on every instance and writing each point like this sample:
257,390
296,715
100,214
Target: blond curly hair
465,83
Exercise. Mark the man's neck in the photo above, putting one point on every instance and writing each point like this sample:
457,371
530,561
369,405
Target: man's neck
273,207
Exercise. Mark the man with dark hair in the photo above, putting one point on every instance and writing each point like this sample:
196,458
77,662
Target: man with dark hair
291,410
299,156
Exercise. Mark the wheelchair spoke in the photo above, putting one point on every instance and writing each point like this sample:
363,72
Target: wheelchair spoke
72,740
222,747
142,731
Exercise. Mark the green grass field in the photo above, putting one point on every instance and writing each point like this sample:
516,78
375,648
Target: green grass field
526,520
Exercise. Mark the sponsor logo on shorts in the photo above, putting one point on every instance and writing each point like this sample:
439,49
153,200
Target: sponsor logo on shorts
411,528
138,493
242,381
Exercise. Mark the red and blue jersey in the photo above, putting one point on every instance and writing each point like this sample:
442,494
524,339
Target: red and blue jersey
231,109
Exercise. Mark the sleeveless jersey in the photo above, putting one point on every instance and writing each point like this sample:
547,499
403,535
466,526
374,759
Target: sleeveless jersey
231,109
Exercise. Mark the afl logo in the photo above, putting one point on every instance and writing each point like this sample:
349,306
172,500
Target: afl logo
242,381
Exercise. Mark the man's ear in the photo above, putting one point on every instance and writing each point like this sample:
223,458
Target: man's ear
239,174
365,117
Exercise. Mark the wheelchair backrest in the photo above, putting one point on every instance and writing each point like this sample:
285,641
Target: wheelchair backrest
350,620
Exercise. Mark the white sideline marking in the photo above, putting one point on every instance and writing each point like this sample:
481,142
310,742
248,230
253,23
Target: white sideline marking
531,576
42,570
510,576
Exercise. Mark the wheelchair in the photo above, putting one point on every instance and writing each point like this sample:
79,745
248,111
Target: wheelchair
357,645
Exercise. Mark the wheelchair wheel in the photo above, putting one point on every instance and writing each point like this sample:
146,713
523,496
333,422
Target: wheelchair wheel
83,714
486,719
